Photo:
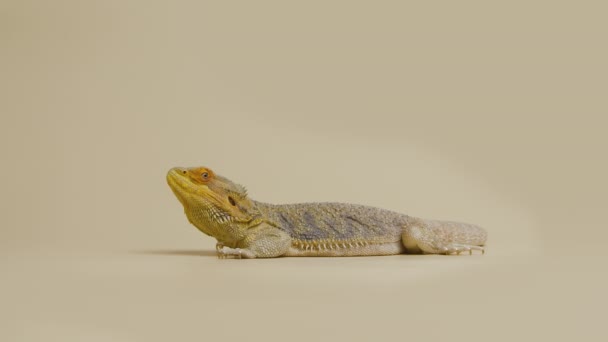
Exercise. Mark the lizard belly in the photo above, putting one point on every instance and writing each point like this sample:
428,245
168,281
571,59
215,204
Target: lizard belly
333,250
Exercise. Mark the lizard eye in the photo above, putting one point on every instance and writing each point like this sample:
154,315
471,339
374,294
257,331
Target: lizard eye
231,200
205,175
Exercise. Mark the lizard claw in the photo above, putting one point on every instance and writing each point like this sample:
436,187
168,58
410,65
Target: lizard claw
218,249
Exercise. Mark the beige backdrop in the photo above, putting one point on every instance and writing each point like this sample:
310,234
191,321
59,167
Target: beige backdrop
468,110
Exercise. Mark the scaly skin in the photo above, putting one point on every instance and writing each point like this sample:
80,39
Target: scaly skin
245,228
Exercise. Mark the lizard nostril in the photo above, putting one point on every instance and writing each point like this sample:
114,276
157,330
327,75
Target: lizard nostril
183,172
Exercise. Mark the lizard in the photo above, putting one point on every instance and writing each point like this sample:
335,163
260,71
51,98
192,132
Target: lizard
245,228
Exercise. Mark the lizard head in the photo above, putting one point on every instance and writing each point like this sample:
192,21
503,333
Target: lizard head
214,204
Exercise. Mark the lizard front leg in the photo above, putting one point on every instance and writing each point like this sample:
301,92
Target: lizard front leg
262,241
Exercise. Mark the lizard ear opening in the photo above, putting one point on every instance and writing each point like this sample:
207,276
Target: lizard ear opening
231,200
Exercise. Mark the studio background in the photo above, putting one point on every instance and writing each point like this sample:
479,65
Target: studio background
488,113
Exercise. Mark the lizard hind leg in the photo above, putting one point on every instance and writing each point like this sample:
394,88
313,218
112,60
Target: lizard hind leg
442,237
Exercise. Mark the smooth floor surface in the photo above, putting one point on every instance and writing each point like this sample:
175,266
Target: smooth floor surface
190,294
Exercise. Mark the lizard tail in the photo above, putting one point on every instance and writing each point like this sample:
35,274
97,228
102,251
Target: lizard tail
442,237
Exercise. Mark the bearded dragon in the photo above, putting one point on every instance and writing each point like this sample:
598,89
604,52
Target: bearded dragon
245,228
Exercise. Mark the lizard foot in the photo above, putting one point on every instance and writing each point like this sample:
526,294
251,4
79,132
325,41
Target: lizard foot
457,248
237,253
227,252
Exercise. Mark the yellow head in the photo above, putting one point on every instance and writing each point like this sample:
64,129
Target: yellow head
214,204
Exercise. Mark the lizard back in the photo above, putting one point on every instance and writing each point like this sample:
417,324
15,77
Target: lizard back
335,221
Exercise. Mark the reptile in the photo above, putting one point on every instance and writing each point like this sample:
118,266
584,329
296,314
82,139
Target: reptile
245,228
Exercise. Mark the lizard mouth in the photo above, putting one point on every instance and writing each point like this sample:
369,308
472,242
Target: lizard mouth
186,191
176,179
193,196
181,186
